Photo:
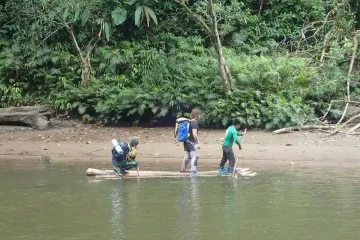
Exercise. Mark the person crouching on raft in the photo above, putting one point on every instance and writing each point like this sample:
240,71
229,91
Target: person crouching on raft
123,156
231,136
134,144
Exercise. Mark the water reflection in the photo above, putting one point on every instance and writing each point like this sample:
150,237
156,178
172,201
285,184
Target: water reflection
195,207
189,209
125,207
117,221
230,199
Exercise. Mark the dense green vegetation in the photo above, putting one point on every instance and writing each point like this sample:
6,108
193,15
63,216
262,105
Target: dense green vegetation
147,61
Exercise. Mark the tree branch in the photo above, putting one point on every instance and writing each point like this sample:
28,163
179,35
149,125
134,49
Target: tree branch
98,38
353,129
324,47
352,63
51,34
348,78
73,38
344,113
261,6
195,16
328,110
72,35
214,25
342,126
305,29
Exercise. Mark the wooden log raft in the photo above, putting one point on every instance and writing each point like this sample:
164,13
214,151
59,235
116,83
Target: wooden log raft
33,116
109,174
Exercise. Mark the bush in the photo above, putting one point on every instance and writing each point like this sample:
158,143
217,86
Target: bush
139,83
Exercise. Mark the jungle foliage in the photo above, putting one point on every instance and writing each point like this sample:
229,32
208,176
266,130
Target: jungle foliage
142,61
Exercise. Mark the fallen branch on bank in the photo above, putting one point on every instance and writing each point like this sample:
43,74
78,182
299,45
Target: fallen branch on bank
353,129
346,123
329,129
306,127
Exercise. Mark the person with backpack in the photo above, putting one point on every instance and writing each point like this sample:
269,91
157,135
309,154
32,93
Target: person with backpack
123,156
187,132
231,136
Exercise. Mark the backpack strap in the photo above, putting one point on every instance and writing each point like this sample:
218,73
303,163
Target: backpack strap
176,127
191,120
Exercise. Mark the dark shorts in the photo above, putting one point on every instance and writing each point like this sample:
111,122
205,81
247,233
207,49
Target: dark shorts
189,146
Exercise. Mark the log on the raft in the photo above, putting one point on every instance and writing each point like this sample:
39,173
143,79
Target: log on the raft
110,173
33,116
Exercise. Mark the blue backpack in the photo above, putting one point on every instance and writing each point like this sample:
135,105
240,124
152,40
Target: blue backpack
182,129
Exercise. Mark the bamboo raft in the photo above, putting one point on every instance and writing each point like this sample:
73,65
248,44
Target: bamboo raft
109,174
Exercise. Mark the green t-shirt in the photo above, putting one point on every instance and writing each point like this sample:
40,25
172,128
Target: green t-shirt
231,136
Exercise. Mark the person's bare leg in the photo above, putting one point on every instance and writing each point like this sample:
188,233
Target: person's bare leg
186,161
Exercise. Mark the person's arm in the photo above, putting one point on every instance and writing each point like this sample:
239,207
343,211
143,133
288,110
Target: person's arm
240,134
195,128
194,132
138,170
196,137
236,139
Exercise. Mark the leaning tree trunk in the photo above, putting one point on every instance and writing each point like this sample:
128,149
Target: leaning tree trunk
85,61
213,33
224,70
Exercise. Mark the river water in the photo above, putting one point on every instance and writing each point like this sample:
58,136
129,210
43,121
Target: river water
59,202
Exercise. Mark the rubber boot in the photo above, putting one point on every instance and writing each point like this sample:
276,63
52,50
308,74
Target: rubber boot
223,171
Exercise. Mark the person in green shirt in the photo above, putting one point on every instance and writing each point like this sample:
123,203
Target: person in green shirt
231,136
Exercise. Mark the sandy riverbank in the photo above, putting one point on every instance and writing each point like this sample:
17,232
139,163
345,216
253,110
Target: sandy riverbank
91,143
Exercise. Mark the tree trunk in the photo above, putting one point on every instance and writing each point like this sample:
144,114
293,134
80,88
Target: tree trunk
213,33
85,71
33,116
224,73
85,61
224,70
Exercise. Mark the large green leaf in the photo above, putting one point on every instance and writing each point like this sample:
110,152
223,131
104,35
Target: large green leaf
152,15
66,14
119,15
107,30
76,15
85,16
138,12
131,2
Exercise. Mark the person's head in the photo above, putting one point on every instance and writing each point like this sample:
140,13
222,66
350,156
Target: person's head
237,123
195,114
134,143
